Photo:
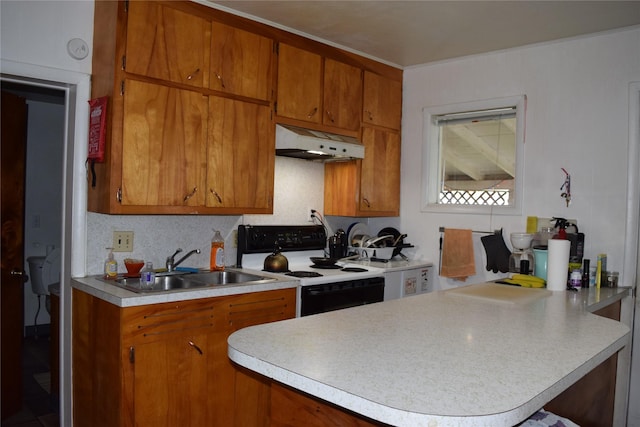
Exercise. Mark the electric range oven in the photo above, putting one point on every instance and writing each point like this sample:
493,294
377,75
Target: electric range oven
321,288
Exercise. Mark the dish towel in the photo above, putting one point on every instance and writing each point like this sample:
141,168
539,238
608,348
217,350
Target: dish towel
457,254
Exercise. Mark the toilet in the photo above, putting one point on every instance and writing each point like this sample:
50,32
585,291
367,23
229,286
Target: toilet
43,272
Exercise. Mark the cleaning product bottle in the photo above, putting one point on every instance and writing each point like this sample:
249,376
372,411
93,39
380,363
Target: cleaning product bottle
216,261
110,266
147,276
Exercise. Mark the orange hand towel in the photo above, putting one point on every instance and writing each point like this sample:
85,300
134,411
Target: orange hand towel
457,254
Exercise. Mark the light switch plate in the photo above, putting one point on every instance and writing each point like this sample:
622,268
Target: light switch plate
123,241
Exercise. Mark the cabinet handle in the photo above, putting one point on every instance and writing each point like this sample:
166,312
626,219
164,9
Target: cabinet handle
188,196
216,195
330,116
220,78
366,202
312,113
192,344
119,195
369,114
192,75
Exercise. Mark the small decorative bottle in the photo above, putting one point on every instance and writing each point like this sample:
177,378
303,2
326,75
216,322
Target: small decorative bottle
216,261
147,276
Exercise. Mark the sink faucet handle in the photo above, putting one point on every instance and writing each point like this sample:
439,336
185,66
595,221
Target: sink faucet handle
171,260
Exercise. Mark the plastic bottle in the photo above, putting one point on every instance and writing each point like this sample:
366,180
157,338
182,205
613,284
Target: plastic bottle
147,276
575,280
216,261
110,266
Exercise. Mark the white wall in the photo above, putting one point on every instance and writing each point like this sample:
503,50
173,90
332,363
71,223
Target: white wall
577,118
37,32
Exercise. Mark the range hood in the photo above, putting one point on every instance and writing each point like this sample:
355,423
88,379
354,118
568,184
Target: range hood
293,141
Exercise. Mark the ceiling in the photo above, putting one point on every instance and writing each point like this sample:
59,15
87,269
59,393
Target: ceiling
406,33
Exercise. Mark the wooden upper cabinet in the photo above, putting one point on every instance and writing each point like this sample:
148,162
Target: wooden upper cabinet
240,156
380,175
241,62
163,146
299,84
318,90
368,187
382,103
342,95
167,44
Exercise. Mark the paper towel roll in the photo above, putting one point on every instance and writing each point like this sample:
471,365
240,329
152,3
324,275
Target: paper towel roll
558,264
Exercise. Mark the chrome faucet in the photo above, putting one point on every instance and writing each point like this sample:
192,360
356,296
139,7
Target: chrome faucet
171,263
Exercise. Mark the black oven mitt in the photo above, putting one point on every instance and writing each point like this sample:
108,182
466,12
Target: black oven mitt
497,253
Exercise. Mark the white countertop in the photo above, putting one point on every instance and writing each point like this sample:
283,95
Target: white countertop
441,358
121,297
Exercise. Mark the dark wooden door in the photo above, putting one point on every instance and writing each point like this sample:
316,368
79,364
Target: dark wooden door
13,144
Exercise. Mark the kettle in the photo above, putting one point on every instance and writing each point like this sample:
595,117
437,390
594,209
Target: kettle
276,262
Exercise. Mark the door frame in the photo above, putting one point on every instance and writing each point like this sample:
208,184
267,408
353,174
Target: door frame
632,248
77,89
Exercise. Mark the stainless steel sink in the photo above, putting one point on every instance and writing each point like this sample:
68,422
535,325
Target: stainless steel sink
226,277
179,281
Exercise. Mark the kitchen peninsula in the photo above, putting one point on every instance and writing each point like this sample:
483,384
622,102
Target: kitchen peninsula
447,358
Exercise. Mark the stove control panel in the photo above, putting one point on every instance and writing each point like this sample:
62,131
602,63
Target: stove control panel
265,238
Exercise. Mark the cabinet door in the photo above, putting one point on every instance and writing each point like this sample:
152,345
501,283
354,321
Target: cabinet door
380,174
167,44
163,148
240,156
170,382
342,95
241,62
299,84
382,101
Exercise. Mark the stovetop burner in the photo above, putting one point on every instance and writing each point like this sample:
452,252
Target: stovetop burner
355,269
326,267
303,274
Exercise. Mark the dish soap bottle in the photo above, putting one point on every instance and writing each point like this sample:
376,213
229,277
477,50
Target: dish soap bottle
147,276
216,261
110,266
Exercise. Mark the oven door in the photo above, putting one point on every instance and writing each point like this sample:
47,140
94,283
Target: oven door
335,296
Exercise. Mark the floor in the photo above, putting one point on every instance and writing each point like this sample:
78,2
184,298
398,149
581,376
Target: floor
40,409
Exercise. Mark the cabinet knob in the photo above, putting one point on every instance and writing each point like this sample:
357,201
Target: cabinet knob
369,114
194,74
312,113
188,196
220,78
366,202
330,116
192,344
217,196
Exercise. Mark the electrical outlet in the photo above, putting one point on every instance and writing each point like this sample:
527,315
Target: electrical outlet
310,214
234,237
123,241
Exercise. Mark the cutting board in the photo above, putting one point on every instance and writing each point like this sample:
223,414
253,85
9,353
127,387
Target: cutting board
501,293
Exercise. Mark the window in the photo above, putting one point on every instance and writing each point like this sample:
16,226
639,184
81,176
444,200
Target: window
473,157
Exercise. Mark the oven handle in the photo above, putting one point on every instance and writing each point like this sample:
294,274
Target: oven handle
329,288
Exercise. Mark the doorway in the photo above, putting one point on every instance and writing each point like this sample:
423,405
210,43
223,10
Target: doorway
76,87
44,139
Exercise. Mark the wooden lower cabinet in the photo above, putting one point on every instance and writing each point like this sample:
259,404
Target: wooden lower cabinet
590,401
291,408
166,364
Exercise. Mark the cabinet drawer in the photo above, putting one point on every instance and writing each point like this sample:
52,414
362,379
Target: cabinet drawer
261,307
151,322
